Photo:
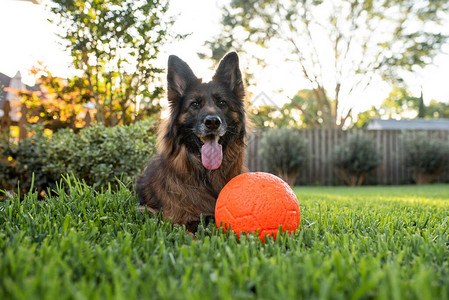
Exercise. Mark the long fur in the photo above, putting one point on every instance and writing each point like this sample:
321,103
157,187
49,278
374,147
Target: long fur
175,182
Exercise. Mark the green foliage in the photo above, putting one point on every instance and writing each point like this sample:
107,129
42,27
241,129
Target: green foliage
301,112
114,43
421,107
354,158
363,39
100,154
366,116
21,160
270,116
311,116
426,156
437,109
59,102
284,153
400,104
97,155
362,243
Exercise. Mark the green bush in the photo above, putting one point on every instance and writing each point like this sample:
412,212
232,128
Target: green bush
426,156
19,162
354,158
97,155
284,153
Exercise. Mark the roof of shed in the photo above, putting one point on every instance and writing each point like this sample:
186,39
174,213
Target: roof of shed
417,124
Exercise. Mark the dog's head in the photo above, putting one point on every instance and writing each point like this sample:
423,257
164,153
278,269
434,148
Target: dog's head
206,117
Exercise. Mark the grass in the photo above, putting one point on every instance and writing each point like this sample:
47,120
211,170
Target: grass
353,243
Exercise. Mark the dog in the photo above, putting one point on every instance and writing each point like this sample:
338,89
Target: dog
200,147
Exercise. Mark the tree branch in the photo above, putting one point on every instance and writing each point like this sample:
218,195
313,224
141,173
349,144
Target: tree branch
310,118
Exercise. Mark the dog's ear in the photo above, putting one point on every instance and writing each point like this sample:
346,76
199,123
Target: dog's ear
228,73
179,77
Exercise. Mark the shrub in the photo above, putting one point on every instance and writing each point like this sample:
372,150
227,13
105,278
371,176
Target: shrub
19,162
354,158
97,155
284,153
426,156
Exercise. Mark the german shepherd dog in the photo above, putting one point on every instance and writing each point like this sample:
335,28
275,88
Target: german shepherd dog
201,146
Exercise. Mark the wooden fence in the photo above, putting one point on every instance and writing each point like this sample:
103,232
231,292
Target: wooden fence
321,143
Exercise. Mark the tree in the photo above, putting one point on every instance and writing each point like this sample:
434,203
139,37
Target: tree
61,102
400,104
270,116
300,112
366,116
262,116
114,43
310,114
421,107
57,104
339,45
437,110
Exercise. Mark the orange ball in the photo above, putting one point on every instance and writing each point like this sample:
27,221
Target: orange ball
257,201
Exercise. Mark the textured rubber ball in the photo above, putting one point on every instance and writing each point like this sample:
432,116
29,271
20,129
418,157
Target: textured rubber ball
257,202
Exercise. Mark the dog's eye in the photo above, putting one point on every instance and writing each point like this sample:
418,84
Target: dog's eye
219,100
194,104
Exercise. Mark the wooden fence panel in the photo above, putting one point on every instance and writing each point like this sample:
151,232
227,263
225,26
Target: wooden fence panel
320,147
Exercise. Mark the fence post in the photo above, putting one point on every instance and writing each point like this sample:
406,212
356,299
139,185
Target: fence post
23,132
5,120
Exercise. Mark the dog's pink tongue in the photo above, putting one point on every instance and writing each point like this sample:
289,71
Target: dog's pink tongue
211,154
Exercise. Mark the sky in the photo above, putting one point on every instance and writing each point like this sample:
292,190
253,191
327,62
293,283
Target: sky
27,37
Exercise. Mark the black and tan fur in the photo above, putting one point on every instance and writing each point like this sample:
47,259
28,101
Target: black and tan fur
176,182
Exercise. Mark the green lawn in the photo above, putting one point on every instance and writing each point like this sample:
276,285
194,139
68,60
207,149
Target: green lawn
353,243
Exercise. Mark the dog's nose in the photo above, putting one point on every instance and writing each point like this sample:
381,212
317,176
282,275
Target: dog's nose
212,122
